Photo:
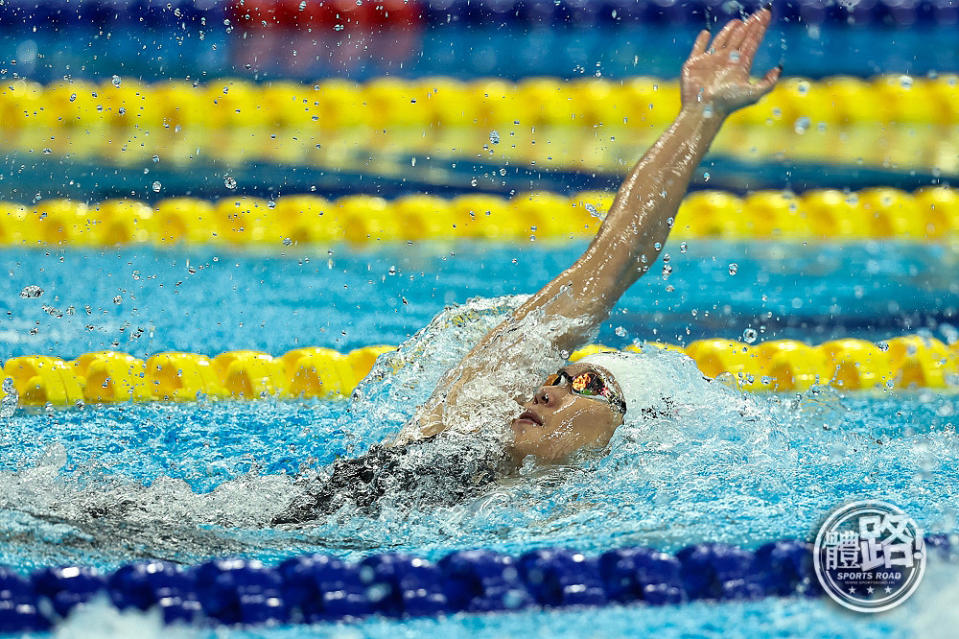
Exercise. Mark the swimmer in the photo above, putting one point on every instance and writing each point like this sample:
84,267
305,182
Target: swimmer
580,405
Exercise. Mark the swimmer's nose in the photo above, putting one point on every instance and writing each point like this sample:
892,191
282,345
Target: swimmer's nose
546,395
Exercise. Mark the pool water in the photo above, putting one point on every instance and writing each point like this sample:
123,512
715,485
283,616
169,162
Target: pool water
104,485
207,300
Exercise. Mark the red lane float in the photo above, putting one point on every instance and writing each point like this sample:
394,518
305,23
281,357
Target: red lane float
324,14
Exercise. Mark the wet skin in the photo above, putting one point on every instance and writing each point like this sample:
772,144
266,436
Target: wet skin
556,422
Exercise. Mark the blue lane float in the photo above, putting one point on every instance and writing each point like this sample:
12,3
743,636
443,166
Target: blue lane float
160,13
320,588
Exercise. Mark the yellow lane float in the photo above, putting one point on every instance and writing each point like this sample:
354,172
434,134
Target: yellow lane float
906,362
929,214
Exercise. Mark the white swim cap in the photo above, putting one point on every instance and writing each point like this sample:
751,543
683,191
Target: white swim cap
644,382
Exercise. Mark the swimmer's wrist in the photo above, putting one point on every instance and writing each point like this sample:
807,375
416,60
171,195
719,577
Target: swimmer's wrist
706,116
707,110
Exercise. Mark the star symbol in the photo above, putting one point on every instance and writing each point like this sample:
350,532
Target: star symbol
852,589
869,590
888,590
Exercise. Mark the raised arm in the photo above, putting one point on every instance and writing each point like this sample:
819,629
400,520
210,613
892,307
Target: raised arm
715,82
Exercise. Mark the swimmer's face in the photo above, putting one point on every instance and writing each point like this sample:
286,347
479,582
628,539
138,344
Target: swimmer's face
557,421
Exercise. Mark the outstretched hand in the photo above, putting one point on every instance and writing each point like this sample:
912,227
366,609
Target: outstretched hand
717,75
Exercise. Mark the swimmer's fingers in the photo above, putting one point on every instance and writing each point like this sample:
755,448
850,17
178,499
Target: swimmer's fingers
754,37
699,47
723,36
764,86
737,35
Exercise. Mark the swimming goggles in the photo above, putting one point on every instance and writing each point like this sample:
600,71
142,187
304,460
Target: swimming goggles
588,384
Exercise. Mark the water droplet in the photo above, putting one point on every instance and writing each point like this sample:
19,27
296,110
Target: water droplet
287,241
473,182
494,137
802,125
750,335
116,81
31,291
706,176
591,209
156,158
73,97
733,268
392,270
229,182
157,186
303,5
682,247
620,331
118,299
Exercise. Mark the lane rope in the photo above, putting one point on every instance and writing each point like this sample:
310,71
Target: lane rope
929,214
390,102
900,363
321,588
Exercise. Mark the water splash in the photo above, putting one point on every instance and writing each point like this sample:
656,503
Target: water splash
184,483
10,400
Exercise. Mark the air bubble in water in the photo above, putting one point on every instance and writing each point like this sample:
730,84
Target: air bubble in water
156,186
73,97
682,247
802,125
156,158
620,331
733,268
116,81
31,291
118,299
494,137
229,182
750,335
392,270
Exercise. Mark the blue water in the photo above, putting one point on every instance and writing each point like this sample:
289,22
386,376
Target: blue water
103,485
145,301
457,50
